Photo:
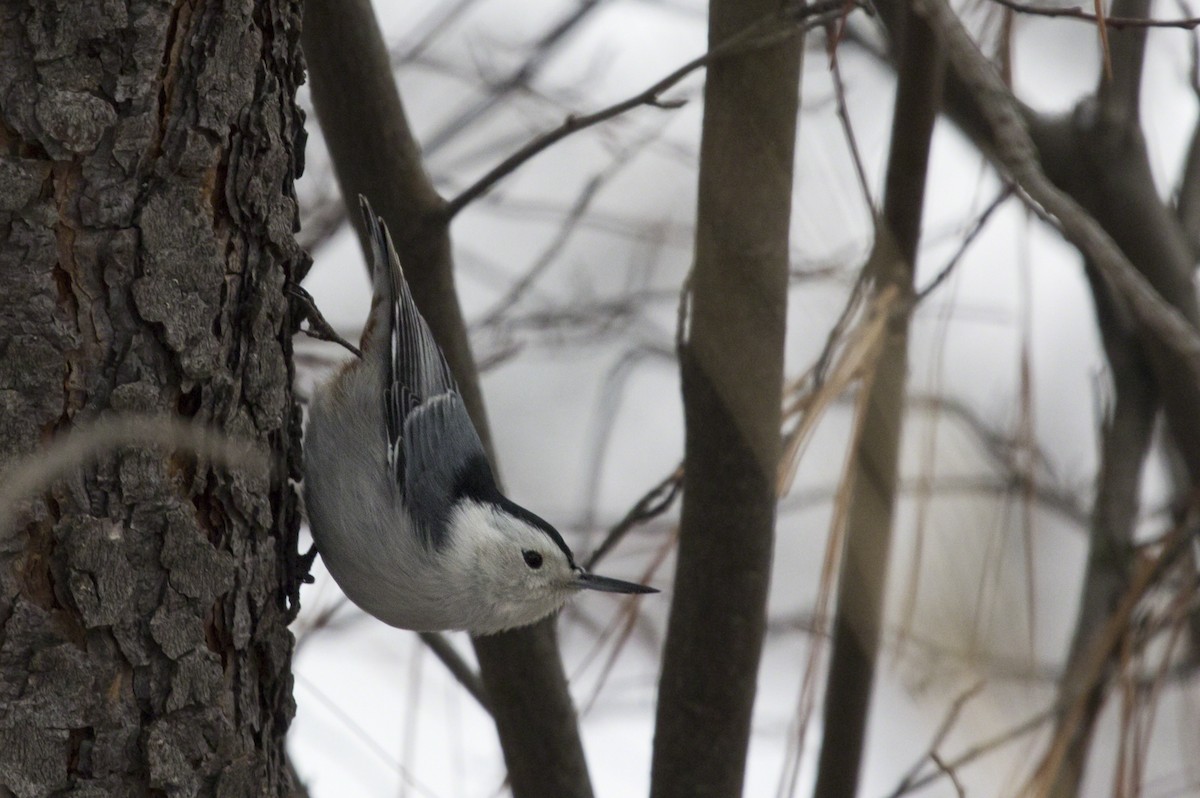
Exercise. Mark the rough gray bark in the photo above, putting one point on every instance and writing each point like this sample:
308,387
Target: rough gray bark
732,367
147,153
375,154
858,622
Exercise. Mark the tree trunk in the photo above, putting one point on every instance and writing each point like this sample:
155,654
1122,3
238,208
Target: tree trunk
147,159
732,369
858,623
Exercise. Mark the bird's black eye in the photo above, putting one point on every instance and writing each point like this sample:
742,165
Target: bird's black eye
532,558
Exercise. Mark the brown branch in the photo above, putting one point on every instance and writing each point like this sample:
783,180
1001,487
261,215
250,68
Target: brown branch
861,588
1119,23
1016,153
939,737
977,228
654,503
1187,200
760,34
458,667
976,751
731,370
1077,696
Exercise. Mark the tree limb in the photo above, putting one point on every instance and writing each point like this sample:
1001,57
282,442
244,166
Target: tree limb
763,32
1015,151
1116,22
731,364
861,585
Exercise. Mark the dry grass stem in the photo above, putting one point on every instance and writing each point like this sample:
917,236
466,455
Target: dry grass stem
36,471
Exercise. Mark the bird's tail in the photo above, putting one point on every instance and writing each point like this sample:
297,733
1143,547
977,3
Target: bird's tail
415,361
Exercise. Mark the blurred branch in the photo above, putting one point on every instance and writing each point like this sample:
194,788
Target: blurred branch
1064,503
1117,22
1016,152
654,503
457,666
549,255
975,752
432,26
939,737
1187,201
1147,572
364,737
327,215
22,478
1125,443
873,481
977,228
760,34
541,52
843,114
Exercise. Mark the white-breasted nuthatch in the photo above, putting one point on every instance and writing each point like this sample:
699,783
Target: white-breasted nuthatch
401,500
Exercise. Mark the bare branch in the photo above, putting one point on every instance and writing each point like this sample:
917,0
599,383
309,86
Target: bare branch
654,503
939,737
976,751
575,214
542,50
457,666
977,228
1119,23
760,34
1015,151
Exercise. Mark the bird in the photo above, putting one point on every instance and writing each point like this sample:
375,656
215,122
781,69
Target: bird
401,499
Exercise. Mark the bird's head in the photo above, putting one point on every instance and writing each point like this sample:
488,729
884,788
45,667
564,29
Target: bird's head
519,567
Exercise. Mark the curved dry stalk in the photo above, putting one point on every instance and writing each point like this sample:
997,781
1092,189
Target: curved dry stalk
84,443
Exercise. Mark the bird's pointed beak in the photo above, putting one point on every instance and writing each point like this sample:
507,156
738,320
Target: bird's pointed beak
586,581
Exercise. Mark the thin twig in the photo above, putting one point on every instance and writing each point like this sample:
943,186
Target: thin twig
950,774
542,51
363,736
843,114
570,224
1119,23
931,753
979,750
1148,572
654,503
977,228
760,34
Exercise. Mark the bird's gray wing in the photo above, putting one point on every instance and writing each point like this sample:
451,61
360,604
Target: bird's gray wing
431,440
444,460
